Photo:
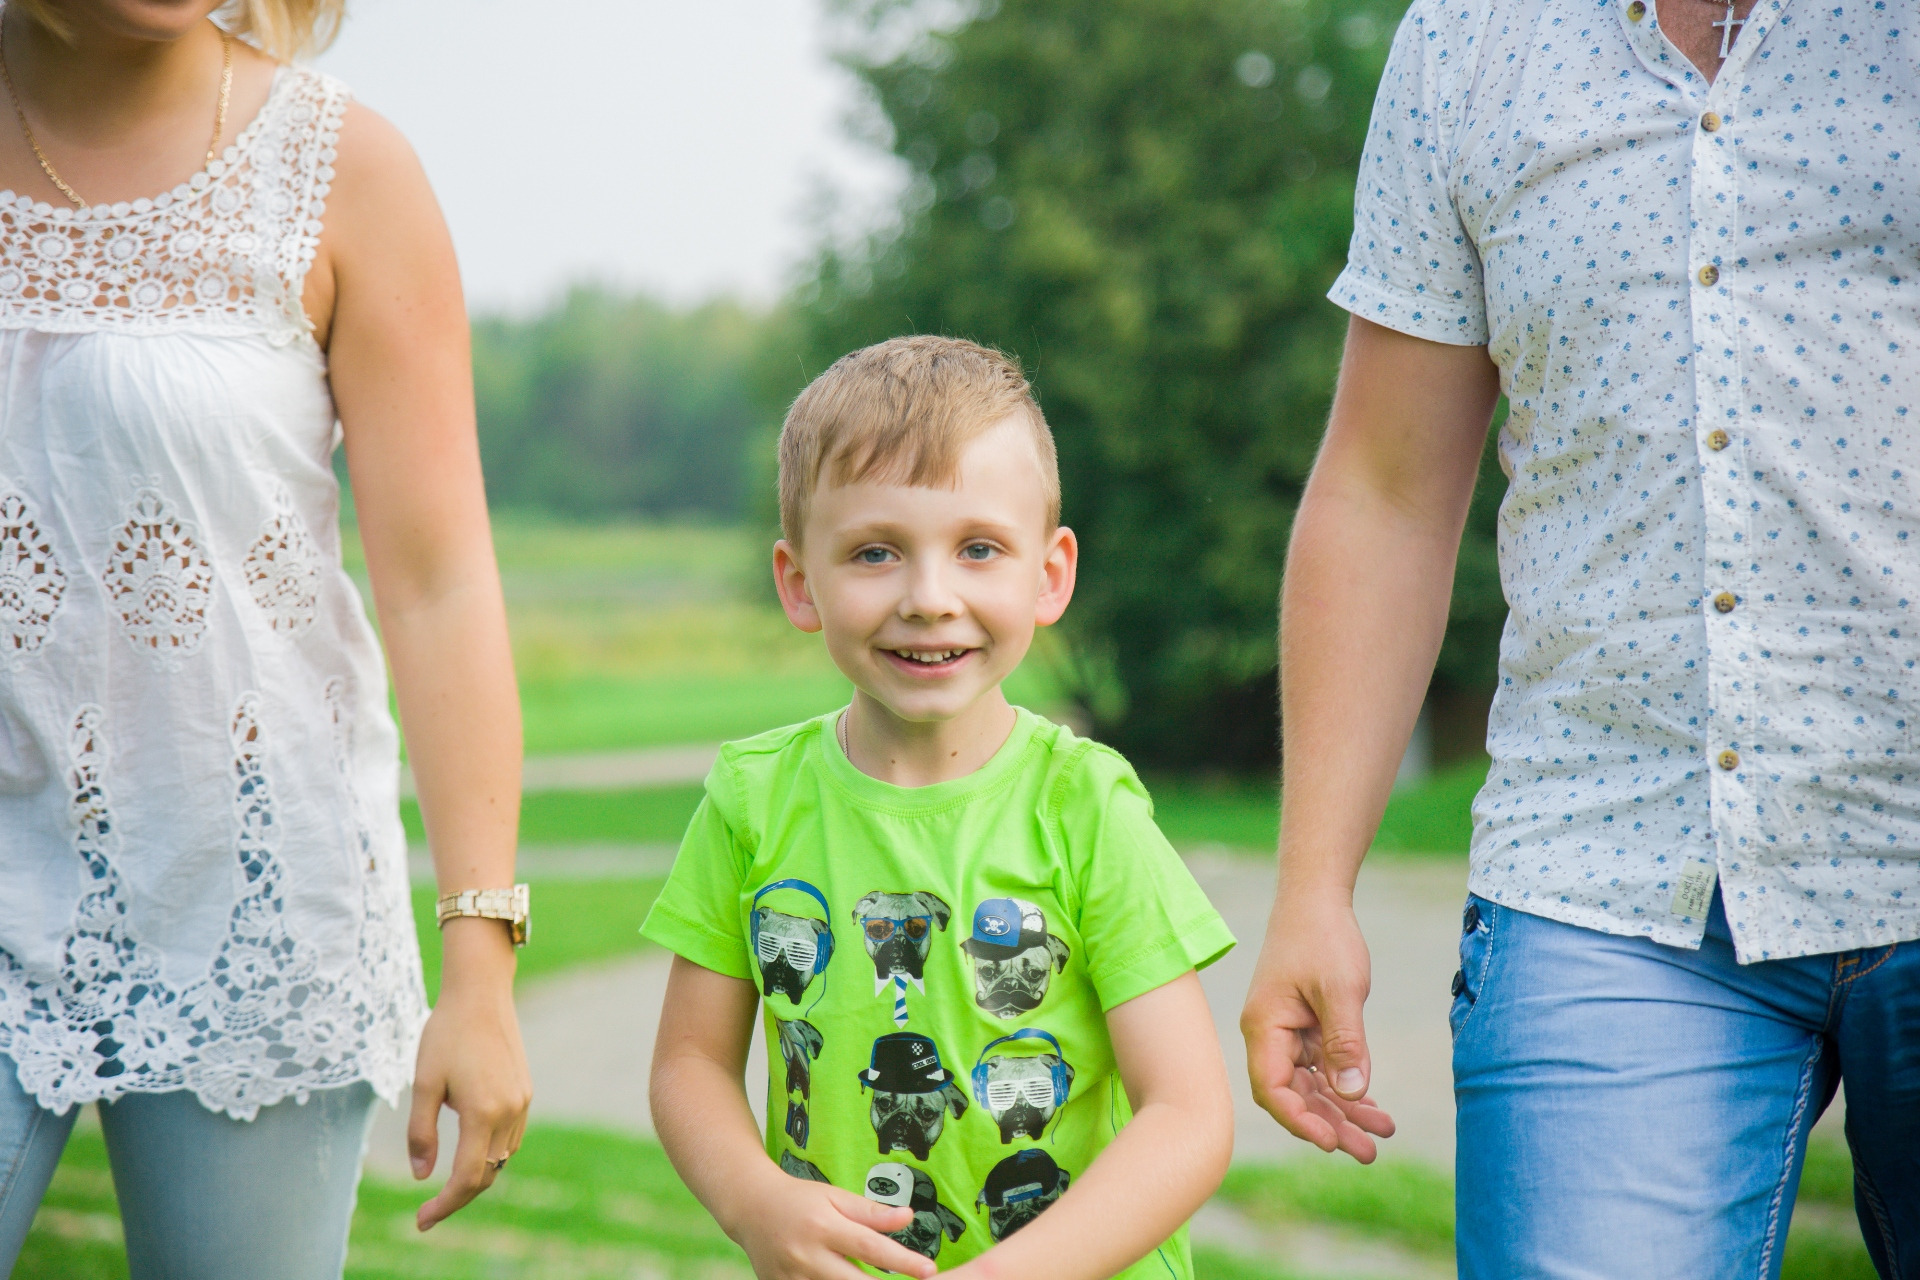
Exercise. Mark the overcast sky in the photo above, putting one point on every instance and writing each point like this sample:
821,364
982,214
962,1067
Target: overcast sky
677,147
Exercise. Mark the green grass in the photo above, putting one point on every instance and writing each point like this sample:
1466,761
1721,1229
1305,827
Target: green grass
575,922
1406,1203
644,815
585,1205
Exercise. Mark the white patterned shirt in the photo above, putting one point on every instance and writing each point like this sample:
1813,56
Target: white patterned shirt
1701,298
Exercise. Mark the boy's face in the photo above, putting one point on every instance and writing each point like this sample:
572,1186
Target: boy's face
928,597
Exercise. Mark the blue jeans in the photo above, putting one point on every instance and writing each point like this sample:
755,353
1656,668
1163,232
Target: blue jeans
1628,1109
202,1196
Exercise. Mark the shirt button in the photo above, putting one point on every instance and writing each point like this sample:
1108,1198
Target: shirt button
1718,439
1636,11
1729,760
1710,122
1724,602
1709,275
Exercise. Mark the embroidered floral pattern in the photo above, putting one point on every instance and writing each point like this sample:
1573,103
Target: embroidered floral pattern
106,1015
31,580
159,579
283,570
387,961
263,1025
225,252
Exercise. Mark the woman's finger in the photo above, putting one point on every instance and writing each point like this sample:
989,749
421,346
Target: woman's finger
470,1175
423,1127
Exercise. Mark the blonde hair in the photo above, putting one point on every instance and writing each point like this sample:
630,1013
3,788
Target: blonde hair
903,410
283,29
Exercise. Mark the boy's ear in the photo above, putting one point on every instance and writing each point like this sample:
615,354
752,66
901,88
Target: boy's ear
790,580
1057,573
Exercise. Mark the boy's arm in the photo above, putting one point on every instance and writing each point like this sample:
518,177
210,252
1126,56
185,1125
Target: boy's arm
790,1228
1369,578
1160,1167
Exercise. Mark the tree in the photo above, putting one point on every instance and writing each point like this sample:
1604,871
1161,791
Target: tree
621,406
1145,200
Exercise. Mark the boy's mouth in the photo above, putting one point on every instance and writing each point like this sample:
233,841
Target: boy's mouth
927,661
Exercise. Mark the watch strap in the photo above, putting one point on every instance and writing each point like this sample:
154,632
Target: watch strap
511,905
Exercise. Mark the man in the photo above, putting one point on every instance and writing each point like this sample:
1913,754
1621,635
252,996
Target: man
1681,239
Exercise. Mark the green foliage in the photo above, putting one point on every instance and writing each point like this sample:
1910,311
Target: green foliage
575,922
620,406
1436,815
1146,200
643,815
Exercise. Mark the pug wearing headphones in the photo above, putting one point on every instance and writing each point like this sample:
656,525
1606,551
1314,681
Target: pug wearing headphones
972,953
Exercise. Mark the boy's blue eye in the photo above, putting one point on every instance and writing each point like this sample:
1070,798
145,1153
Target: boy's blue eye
978,551
872,555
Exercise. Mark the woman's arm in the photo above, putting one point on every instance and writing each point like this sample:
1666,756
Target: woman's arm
1163,1164
386,292
790,1228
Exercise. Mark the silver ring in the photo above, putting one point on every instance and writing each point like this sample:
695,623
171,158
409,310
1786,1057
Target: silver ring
501,1163
1312,1070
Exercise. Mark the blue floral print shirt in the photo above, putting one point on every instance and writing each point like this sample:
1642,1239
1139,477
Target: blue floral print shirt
1701,300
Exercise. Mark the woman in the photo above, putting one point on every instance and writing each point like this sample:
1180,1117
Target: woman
205,923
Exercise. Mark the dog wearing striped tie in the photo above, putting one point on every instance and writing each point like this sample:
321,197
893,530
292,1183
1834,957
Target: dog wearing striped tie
898,930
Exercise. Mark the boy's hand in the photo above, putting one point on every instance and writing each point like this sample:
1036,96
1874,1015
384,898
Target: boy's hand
798,1230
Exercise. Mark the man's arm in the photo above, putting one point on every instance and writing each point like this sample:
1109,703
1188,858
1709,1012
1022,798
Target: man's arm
1368,581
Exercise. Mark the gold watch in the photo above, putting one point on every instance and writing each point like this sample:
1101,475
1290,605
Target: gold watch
510,905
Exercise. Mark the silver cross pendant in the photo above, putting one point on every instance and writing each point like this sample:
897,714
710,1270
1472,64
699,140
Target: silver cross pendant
1727,32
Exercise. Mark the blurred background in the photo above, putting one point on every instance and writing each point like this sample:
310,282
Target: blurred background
670,217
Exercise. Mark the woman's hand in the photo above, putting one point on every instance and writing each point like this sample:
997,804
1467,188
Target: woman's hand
471,1059
793,1229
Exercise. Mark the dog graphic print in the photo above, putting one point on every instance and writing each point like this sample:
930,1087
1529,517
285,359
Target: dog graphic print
905,1187
1014,957
898,929
912,1094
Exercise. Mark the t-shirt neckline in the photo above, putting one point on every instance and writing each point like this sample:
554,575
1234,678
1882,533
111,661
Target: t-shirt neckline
871,792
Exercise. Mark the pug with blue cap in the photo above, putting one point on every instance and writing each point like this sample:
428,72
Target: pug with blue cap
1014,957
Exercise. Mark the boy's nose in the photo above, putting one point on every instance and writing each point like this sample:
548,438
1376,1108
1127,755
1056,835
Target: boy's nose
930,596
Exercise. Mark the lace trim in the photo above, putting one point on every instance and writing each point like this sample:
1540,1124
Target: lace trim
227,251
32,583
263,1025
158,579
283,569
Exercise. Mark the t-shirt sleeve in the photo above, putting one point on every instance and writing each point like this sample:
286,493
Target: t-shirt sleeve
1143,919
1411,266
697,914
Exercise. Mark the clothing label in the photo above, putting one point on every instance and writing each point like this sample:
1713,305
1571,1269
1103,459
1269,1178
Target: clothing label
1694,894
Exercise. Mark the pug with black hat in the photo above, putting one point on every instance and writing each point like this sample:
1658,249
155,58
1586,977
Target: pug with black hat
912,1093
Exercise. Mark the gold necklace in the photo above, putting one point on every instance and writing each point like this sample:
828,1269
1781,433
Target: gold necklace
46,166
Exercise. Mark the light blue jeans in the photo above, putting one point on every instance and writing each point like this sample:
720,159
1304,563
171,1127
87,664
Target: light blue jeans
1628,1109
202,1196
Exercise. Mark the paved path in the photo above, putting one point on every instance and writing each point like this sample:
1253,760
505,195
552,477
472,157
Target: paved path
608,770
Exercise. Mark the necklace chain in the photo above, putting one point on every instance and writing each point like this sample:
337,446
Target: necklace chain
46,166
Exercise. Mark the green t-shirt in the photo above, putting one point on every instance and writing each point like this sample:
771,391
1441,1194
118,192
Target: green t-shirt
936,963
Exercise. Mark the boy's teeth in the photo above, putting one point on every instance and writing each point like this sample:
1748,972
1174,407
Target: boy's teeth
929,656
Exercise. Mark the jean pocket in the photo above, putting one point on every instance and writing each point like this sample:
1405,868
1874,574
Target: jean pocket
1476,951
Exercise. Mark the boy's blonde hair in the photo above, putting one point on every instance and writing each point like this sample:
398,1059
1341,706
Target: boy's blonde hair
283,29
902,410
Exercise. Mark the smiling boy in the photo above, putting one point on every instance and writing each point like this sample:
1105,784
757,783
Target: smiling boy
1030,1084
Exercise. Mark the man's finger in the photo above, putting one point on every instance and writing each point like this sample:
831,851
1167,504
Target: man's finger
1343,1042
469,1176
423,1129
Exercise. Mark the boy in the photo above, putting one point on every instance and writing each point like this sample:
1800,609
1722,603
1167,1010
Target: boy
1030,937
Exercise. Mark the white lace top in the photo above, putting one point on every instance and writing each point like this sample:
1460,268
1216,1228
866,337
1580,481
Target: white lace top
201,861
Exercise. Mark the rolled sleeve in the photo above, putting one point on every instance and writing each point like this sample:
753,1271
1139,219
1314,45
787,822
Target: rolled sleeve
1411,265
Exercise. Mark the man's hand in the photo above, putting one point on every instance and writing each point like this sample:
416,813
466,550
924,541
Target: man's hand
1306,1045
799,1230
